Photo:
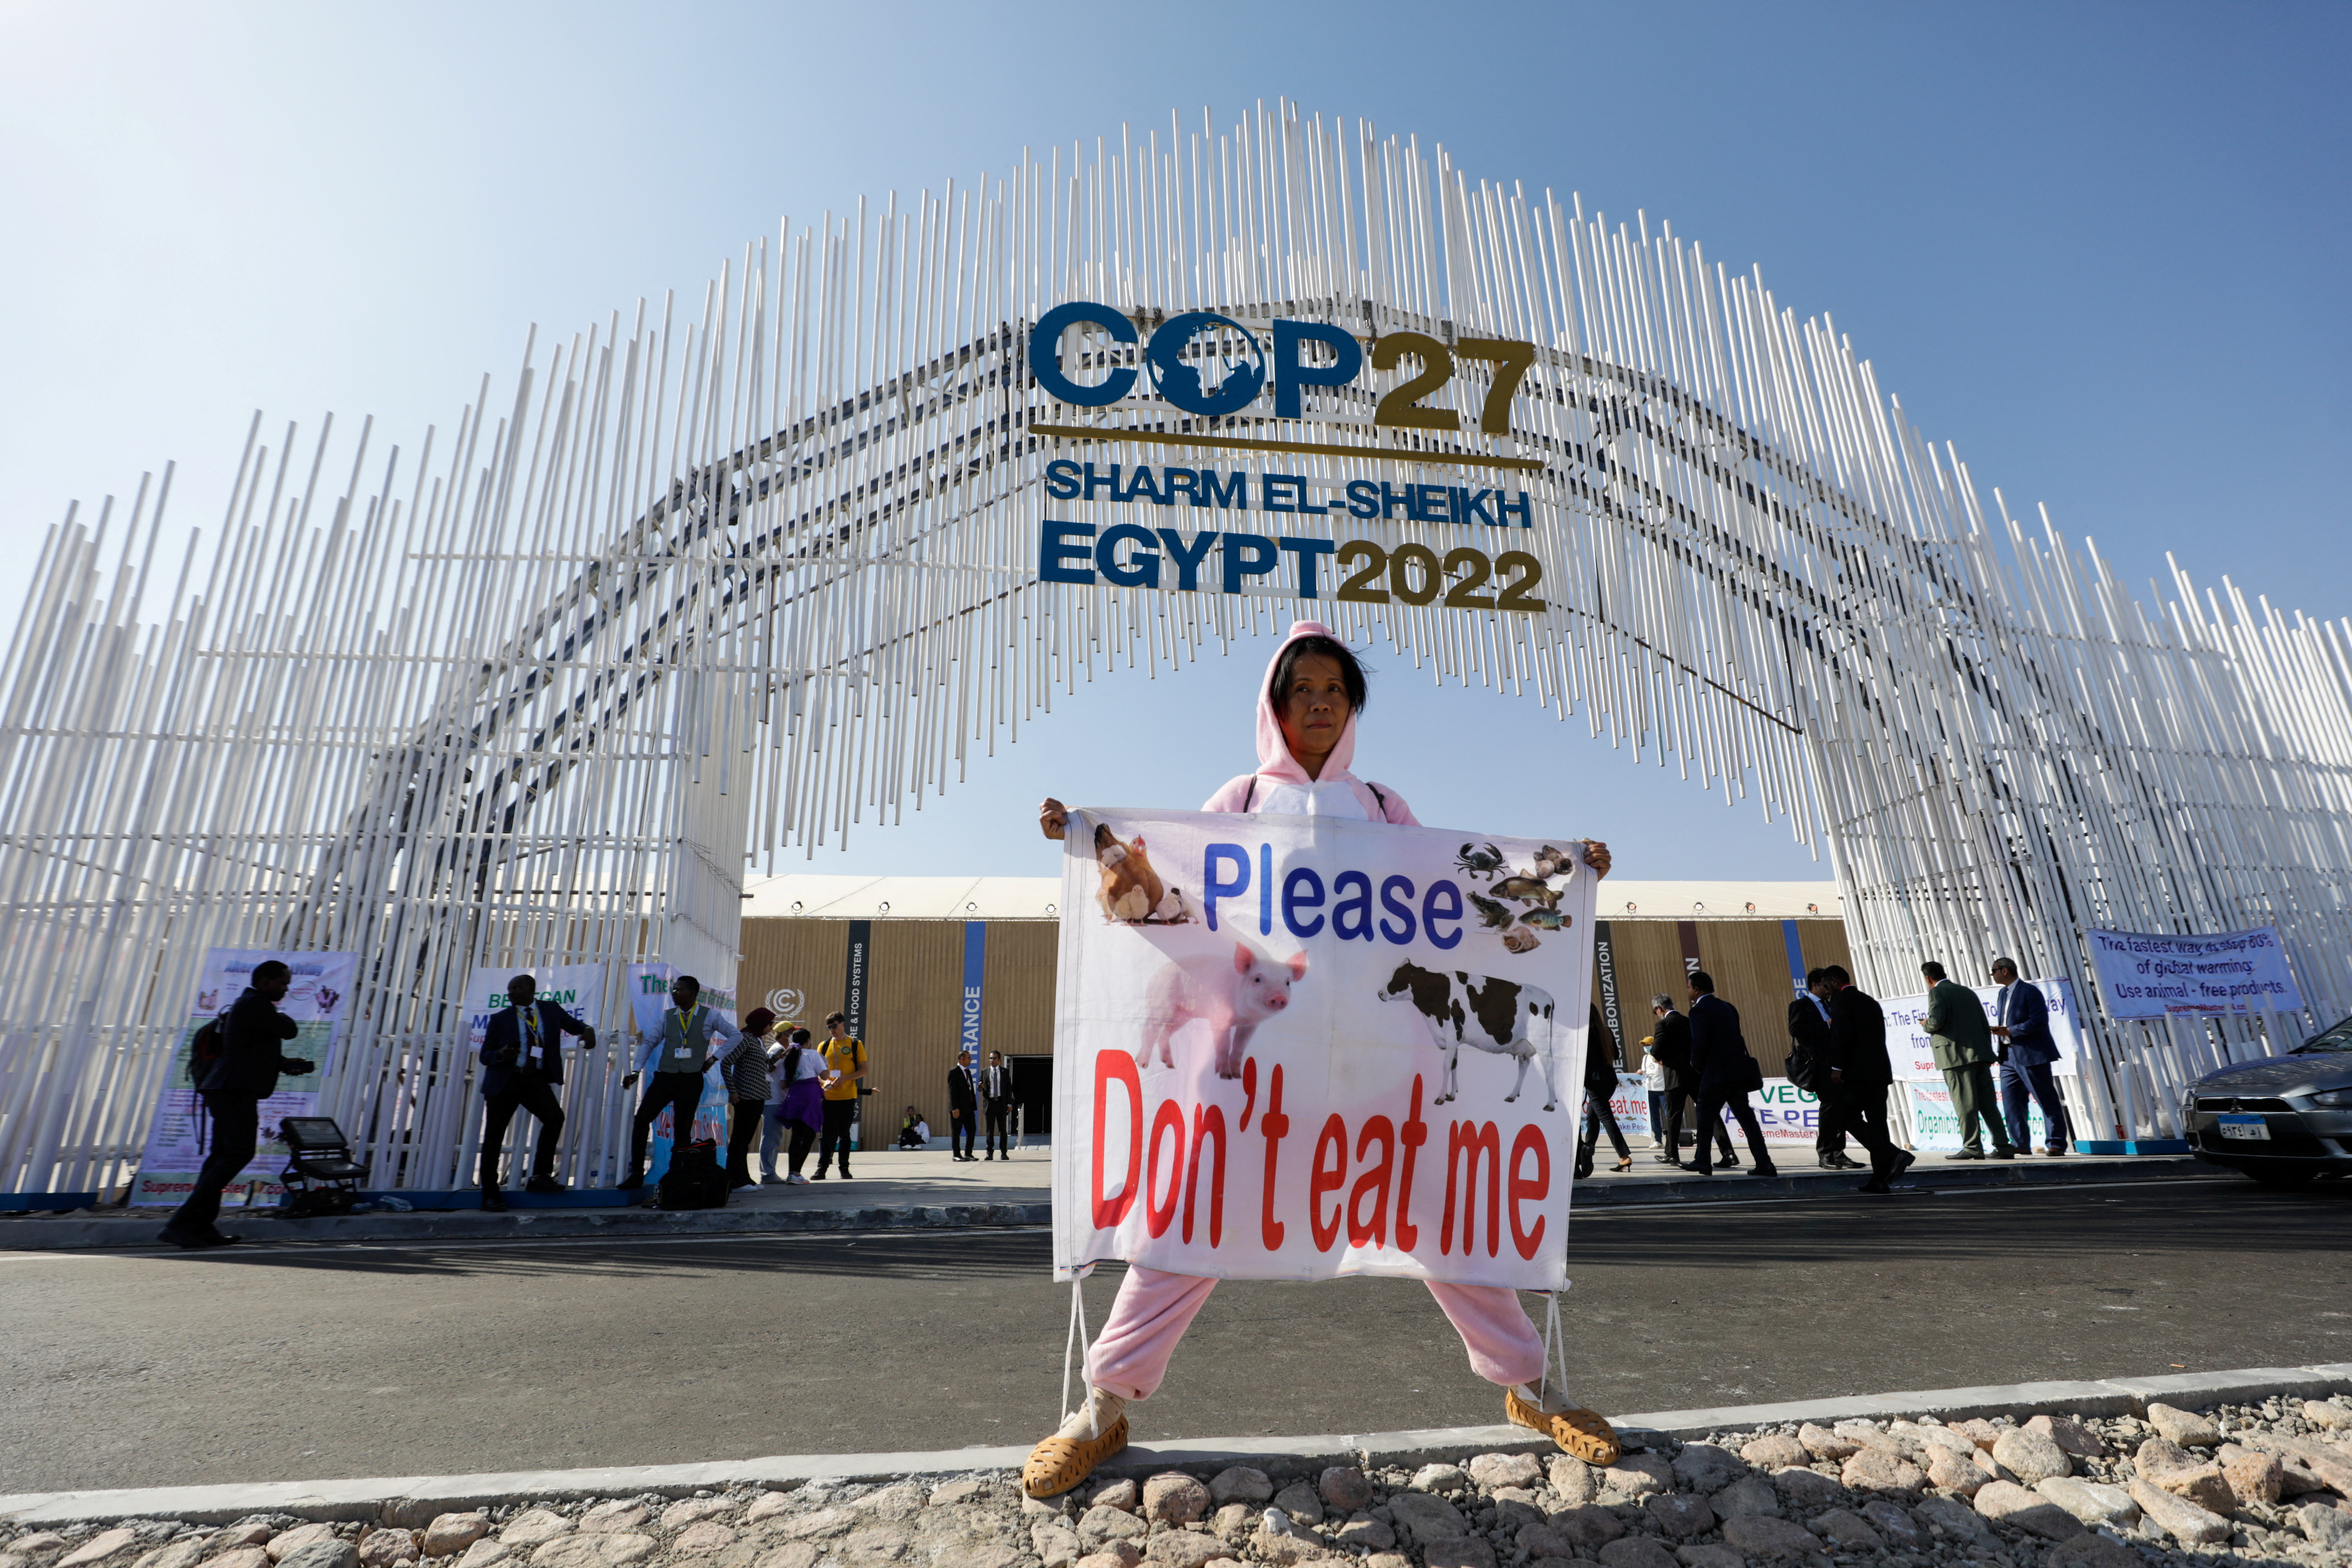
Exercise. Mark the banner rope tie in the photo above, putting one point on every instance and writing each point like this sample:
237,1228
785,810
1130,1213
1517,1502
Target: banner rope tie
1079,1343
1555,1352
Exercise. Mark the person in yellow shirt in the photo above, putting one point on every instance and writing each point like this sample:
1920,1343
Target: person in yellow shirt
845,1071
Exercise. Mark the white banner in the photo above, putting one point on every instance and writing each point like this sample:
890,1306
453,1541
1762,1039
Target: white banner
2234,973
178,1136
578,988
1936,1127
1631,1104
1913,1057
1787,1114
1303,1046
648,999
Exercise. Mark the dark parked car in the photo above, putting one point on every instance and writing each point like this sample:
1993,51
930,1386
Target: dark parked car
2285,1120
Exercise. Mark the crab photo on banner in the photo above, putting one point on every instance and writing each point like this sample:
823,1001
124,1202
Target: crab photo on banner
1297,1047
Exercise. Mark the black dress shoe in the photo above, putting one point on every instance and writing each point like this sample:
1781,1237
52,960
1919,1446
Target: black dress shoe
2003,1154
1904,1160
1873,1186
1965,1154
494,1199
542,1185
1765,1170
633,1184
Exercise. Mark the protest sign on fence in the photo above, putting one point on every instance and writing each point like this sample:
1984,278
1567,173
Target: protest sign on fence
577,988
2232,974
1788,1114
1914,1059
1301,1046
648,1000
1936,1127
1631,1104
179,1134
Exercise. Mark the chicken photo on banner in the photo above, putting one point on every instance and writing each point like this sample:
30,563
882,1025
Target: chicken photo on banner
1300,1046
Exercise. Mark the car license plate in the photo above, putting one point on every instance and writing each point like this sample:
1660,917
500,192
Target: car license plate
2244,1126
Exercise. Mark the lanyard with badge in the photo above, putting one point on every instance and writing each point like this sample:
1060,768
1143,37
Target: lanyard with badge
531,1030
685,1051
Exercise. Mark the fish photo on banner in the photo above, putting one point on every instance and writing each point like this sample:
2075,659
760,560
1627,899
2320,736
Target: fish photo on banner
1302,1046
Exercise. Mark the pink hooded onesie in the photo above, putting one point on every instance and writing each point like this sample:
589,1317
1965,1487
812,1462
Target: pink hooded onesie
1153,1307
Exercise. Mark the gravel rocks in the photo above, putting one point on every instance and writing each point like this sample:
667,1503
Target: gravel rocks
1174,1497
2027,1490
2184,1427
2032,1456
2006,1502
2179,1517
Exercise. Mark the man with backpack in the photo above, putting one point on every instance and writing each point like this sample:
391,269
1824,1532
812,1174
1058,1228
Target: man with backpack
239,1074
679,1053
522,1063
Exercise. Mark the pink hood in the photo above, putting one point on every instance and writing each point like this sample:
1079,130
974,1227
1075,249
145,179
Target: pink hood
1275,764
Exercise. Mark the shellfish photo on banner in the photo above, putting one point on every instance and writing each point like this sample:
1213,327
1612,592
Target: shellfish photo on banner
1293,1047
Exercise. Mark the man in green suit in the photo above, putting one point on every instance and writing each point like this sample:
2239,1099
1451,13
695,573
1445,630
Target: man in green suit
1963,1041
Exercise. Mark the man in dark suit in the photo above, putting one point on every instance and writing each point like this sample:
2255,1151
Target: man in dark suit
996,1093
522,1065
1809,1031
1859,1074
963,1108
243,1076
1671,1044
1726,1073
2026,1051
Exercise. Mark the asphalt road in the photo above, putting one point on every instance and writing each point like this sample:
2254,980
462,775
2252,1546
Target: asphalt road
302,1362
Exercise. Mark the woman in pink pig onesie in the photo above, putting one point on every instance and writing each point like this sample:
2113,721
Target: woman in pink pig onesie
1305,738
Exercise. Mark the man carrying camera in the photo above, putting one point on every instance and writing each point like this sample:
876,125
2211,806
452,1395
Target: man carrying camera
243,1076
522,1061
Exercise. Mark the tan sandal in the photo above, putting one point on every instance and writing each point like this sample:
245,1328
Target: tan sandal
1580,1433
1057,1464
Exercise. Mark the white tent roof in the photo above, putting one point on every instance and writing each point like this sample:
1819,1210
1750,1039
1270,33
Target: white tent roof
1036,898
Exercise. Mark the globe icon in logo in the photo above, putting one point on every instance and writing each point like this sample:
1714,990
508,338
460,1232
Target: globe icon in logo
1240,364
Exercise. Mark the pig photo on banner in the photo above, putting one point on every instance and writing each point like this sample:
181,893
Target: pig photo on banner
1295,1048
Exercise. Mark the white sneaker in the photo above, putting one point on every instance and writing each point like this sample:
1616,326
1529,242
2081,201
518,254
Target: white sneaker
1091,1420
797,1180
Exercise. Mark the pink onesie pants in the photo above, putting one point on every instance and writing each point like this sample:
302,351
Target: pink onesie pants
1153,1310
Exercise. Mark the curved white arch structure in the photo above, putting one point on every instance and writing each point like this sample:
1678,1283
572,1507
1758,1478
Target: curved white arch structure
737,578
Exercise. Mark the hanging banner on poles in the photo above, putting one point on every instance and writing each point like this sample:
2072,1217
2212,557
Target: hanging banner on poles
1295,1047
2233,974
577,988
179,1134
1913,1057
648,1000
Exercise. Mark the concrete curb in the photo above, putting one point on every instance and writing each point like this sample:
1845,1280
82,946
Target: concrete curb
414,1501
80,1232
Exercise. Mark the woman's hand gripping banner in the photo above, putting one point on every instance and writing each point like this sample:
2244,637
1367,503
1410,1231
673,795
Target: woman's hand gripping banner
1293,1047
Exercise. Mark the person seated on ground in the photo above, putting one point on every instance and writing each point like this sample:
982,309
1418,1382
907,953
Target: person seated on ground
913,1132
1305,738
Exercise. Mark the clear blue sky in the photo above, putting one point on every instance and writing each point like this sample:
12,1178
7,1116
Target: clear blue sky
2099,248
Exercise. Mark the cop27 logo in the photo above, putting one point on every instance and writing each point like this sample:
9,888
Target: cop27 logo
1243,366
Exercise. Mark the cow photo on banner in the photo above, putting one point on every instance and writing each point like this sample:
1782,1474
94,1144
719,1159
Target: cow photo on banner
1296,1047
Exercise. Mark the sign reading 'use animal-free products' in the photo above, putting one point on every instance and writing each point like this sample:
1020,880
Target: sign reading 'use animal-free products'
1293,1047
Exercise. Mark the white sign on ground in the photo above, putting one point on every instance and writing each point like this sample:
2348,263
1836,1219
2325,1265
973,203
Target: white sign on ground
317,1001
1301,1046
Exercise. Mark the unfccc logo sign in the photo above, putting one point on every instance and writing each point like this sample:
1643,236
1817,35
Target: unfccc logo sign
1243,366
